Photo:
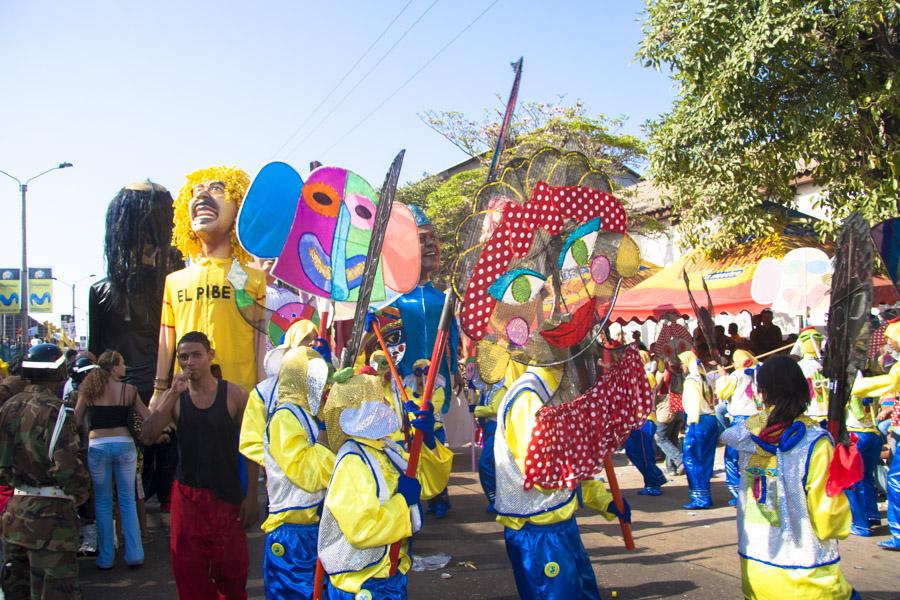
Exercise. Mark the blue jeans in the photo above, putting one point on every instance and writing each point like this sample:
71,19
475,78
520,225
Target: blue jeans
105,461
667,439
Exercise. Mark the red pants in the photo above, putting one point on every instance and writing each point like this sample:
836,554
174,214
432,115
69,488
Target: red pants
209,547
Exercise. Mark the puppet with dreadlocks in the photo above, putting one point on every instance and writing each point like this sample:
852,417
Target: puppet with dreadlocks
124,306
551,248
209,295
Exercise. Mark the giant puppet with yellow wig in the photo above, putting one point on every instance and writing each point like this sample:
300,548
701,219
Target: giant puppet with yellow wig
217,291
867,391
371,503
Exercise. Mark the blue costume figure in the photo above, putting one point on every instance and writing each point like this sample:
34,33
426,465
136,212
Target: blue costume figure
738,391
639,446
701,434
861,413
420,312
485,409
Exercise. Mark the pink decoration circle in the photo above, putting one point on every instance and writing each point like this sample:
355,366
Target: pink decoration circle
600,269
517,331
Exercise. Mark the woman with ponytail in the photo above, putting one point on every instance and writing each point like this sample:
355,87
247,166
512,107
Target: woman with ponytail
788,519
104,406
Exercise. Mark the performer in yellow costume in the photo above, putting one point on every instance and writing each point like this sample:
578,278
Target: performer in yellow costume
864,399
371,503
788,526
298,467
206,295
738,391
264,399
542,538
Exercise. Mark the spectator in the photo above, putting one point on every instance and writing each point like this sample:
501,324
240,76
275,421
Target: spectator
766,336
104,405
636,338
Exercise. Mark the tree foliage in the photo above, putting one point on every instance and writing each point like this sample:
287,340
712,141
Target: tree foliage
769,89
536,125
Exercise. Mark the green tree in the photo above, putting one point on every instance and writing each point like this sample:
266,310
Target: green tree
769,88
536,125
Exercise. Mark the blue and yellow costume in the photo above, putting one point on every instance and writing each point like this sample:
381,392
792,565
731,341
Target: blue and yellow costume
738,391
542,538
371,503
701,434
880,386
788,526
639,446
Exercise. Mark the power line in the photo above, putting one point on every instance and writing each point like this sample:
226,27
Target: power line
362,79
411,77
344,78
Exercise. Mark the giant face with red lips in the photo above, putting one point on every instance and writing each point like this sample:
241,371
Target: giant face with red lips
548,267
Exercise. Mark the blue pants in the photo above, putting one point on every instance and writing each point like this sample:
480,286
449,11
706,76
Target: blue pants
893,495
105,461
550,562
289,561
640,451
863,504
732,471
486,473
699,455
390,588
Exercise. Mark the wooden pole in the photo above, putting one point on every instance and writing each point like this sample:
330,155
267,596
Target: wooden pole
617,499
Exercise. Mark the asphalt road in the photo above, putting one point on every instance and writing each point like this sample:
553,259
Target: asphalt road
679,554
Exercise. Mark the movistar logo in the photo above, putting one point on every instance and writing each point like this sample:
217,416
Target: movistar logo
35,299
7,300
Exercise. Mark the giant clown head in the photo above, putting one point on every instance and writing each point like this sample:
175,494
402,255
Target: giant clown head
553,250
205,209
319,230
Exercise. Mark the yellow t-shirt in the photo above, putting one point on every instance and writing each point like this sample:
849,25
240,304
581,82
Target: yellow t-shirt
200,298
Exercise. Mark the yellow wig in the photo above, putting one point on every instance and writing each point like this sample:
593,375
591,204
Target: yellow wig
183,237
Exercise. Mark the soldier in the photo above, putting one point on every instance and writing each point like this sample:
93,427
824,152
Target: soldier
39,458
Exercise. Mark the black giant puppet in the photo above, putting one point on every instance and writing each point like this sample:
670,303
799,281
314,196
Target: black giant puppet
125,308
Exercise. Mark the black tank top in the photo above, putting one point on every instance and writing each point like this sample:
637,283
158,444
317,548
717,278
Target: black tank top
108,417
208,447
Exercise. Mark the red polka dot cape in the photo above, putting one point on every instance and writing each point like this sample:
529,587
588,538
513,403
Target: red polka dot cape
570,442
548,208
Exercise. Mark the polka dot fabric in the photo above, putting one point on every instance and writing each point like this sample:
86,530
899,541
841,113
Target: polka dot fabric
549,208
570,441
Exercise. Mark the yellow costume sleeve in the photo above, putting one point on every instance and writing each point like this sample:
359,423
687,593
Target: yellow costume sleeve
353,500
167,316
433,471
253,427
596,497
879,385
308,466
830,515
725,387
691,398
485,412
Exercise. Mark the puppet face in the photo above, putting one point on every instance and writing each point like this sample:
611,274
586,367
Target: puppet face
431,251
546,279
212,215
395,340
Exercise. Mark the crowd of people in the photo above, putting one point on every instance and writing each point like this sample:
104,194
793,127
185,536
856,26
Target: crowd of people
198,398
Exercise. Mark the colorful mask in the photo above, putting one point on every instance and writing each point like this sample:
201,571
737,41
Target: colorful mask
319,231
548,270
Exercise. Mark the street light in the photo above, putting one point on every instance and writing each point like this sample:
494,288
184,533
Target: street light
23,187
72,285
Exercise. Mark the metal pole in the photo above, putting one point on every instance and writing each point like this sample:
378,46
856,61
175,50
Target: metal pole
73,304
24,298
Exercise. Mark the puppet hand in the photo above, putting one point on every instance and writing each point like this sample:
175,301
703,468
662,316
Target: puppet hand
321,346
624,515
424,422
410,489
371,320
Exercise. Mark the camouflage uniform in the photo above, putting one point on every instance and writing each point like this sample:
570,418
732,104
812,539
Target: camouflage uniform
41,533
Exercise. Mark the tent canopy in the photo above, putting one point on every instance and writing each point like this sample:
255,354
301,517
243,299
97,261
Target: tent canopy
728,278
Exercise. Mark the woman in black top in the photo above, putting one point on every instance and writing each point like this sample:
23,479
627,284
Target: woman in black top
104,406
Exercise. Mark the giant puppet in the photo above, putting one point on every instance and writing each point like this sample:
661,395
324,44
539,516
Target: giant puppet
551,248
217,293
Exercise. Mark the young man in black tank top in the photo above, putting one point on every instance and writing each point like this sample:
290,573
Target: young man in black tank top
209,507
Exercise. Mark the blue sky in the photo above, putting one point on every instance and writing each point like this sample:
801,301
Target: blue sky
128,90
